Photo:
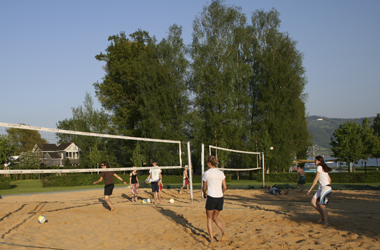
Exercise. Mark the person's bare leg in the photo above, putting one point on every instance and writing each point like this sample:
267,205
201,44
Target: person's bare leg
159,197
187,188
180,192
209,214
219,224
314,203
155,197
108,201
325,214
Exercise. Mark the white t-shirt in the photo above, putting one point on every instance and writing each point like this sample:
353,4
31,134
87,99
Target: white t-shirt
154,174
323,177
214,178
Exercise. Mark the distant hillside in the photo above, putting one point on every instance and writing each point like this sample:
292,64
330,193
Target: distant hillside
322,129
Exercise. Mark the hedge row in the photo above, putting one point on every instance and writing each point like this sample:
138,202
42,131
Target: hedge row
371,177
5,182
87,179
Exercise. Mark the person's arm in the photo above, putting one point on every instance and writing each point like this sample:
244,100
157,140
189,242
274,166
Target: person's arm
204,189
314,182
120,178
96,182
130,179
224,185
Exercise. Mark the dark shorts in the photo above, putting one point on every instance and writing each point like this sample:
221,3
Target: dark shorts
302,180
155,187
214,203
108,189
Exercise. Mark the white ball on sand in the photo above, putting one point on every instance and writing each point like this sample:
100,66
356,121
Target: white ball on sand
41,219
149,200
171,200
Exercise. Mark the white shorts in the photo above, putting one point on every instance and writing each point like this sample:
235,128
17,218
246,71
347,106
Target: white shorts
323,195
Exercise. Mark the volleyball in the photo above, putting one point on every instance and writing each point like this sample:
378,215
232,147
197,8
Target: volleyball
41,219
171,200
147,180
144,201
148,200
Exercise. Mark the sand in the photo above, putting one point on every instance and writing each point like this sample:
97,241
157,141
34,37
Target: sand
253,220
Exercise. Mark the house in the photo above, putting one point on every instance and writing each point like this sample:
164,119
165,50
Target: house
56,155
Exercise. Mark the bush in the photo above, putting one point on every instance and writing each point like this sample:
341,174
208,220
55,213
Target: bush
5,182
87,179
346,177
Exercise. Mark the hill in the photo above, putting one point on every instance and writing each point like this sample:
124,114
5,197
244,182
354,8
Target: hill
322,129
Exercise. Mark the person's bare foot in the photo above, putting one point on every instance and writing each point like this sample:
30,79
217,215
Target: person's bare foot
224,236
321,221
112,209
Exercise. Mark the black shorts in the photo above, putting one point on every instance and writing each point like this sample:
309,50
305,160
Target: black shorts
108,189
155,187
214,203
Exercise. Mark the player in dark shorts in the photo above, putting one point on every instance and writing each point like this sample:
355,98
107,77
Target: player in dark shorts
108,183
214,186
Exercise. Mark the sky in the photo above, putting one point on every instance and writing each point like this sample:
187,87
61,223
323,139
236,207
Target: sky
48,48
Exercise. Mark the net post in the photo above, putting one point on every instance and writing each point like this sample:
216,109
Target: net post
203,169
190,172
263,169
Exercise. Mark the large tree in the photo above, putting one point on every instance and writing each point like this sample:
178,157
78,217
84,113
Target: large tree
248,83
145,89
219,78
24,140
276,88
346,143
87,119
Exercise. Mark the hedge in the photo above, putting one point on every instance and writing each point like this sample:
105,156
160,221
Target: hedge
347,177
5,182
87,179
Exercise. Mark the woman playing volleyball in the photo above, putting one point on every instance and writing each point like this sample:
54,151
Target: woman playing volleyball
214,184
108,182
134,182
324,190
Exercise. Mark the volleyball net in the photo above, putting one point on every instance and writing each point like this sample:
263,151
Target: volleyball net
39,150
234,160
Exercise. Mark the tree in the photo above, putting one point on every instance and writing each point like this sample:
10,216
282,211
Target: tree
87,119
346,143
219,78
145,89
7,148
24,140
276,90
376,131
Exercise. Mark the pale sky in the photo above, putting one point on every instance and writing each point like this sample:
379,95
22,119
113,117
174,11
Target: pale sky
48,48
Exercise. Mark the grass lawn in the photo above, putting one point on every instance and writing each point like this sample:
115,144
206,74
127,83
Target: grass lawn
35,186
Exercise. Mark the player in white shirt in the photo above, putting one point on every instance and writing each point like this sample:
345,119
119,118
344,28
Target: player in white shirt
324,190
155,176
214,186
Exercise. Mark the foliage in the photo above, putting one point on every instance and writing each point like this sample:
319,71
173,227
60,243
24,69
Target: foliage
7,148
24,140
144,89
29,160
248,83
353,141
5,183
87,119
347,177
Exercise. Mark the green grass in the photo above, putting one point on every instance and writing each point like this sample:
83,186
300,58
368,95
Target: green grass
35,186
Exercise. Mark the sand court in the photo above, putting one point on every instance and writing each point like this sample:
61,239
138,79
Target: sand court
253,220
